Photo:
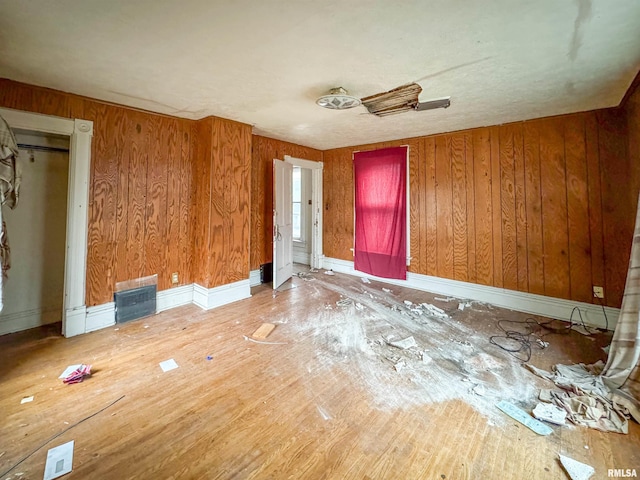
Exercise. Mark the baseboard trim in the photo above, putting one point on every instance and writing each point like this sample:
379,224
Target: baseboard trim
174,297
520,301
254,278
100,316
18,321
208,298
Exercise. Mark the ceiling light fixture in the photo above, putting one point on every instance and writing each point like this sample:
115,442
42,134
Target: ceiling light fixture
338,99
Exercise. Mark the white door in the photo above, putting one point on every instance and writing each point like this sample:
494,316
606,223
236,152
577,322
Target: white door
282,223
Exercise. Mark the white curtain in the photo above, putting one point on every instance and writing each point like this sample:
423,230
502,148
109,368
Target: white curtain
622,371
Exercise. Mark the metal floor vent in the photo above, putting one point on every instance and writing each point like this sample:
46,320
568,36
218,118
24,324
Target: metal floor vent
135,303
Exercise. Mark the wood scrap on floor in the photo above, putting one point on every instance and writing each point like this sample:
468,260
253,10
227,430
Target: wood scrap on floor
263,331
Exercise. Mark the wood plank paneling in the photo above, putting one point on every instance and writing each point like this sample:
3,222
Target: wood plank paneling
616,204
578,208
508,207
430,208
535,245
444,207
471,216
496,205
459,205
554,210
483,205
520,208
516,206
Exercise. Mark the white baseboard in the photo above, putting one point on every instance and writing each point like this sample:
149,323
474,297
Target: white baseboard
301,257
75,321
174,297
100,316
18,321
520,301
209,298
254,278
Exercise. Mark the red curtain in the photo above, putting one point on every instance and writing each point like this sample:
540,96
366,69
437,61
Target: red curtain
381,212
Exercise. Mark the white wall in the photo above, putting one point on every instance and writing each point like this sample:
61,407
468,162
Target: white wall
34,290
302,250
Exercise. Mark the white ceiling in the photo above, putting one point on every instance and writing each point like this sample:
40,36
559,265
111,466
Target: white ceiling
264,62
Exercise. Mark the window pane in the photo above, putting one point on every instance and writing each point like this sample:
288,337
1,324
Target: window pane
297,184
297,227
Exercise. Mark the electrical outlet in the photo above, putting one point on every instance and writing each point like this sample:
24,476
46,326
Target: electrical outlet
174,278
598,292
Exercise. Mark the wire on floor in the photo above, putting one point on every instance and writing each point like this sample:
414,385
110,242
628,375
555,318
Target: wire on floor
59,434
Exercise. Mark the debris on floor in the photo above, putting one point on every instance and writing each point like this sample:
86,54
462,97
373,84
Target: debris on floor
59,461
344,302
447,299
576,470
585,397
263,331
365,280
168,365
541,343
434,311
387,290
463,305
550,413
329,272
524,418
75,373
404,344
26,400
479,390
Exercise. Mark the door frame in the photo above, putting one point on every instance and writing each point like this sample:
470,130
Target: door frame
317,169
80,132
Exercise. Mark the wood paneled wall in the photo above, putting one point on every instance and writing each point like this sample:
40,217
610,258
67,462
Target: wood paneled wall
264,150
147,210
540,206
632,110
222,166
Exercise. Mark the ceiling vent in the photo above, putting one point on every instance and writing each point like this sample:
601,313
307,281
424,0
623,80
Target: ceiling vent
338,99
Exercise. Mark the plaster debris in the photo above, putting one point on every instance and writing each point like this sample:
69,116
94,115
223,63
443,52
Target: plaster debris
408,303
365,280
550,413
585,397
359,306
606,349
26,400
448,299
405,343
545,395
463,305
479,390
401,365
344,302
386,290
434,311
576,470
542,344
329,272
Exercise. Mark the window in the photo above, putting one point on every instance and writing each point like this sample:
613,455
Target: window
298,220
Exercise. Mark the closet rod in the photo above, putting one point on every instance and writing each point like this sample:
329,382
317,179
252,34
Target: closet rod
42,149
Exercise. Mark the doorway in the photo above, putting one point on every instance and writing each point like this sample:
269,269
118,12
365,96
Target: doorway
36,228
79,132
286,206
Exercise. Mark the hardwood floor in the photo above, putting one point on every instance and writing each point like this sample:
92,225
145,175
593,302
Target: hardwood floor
329,399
